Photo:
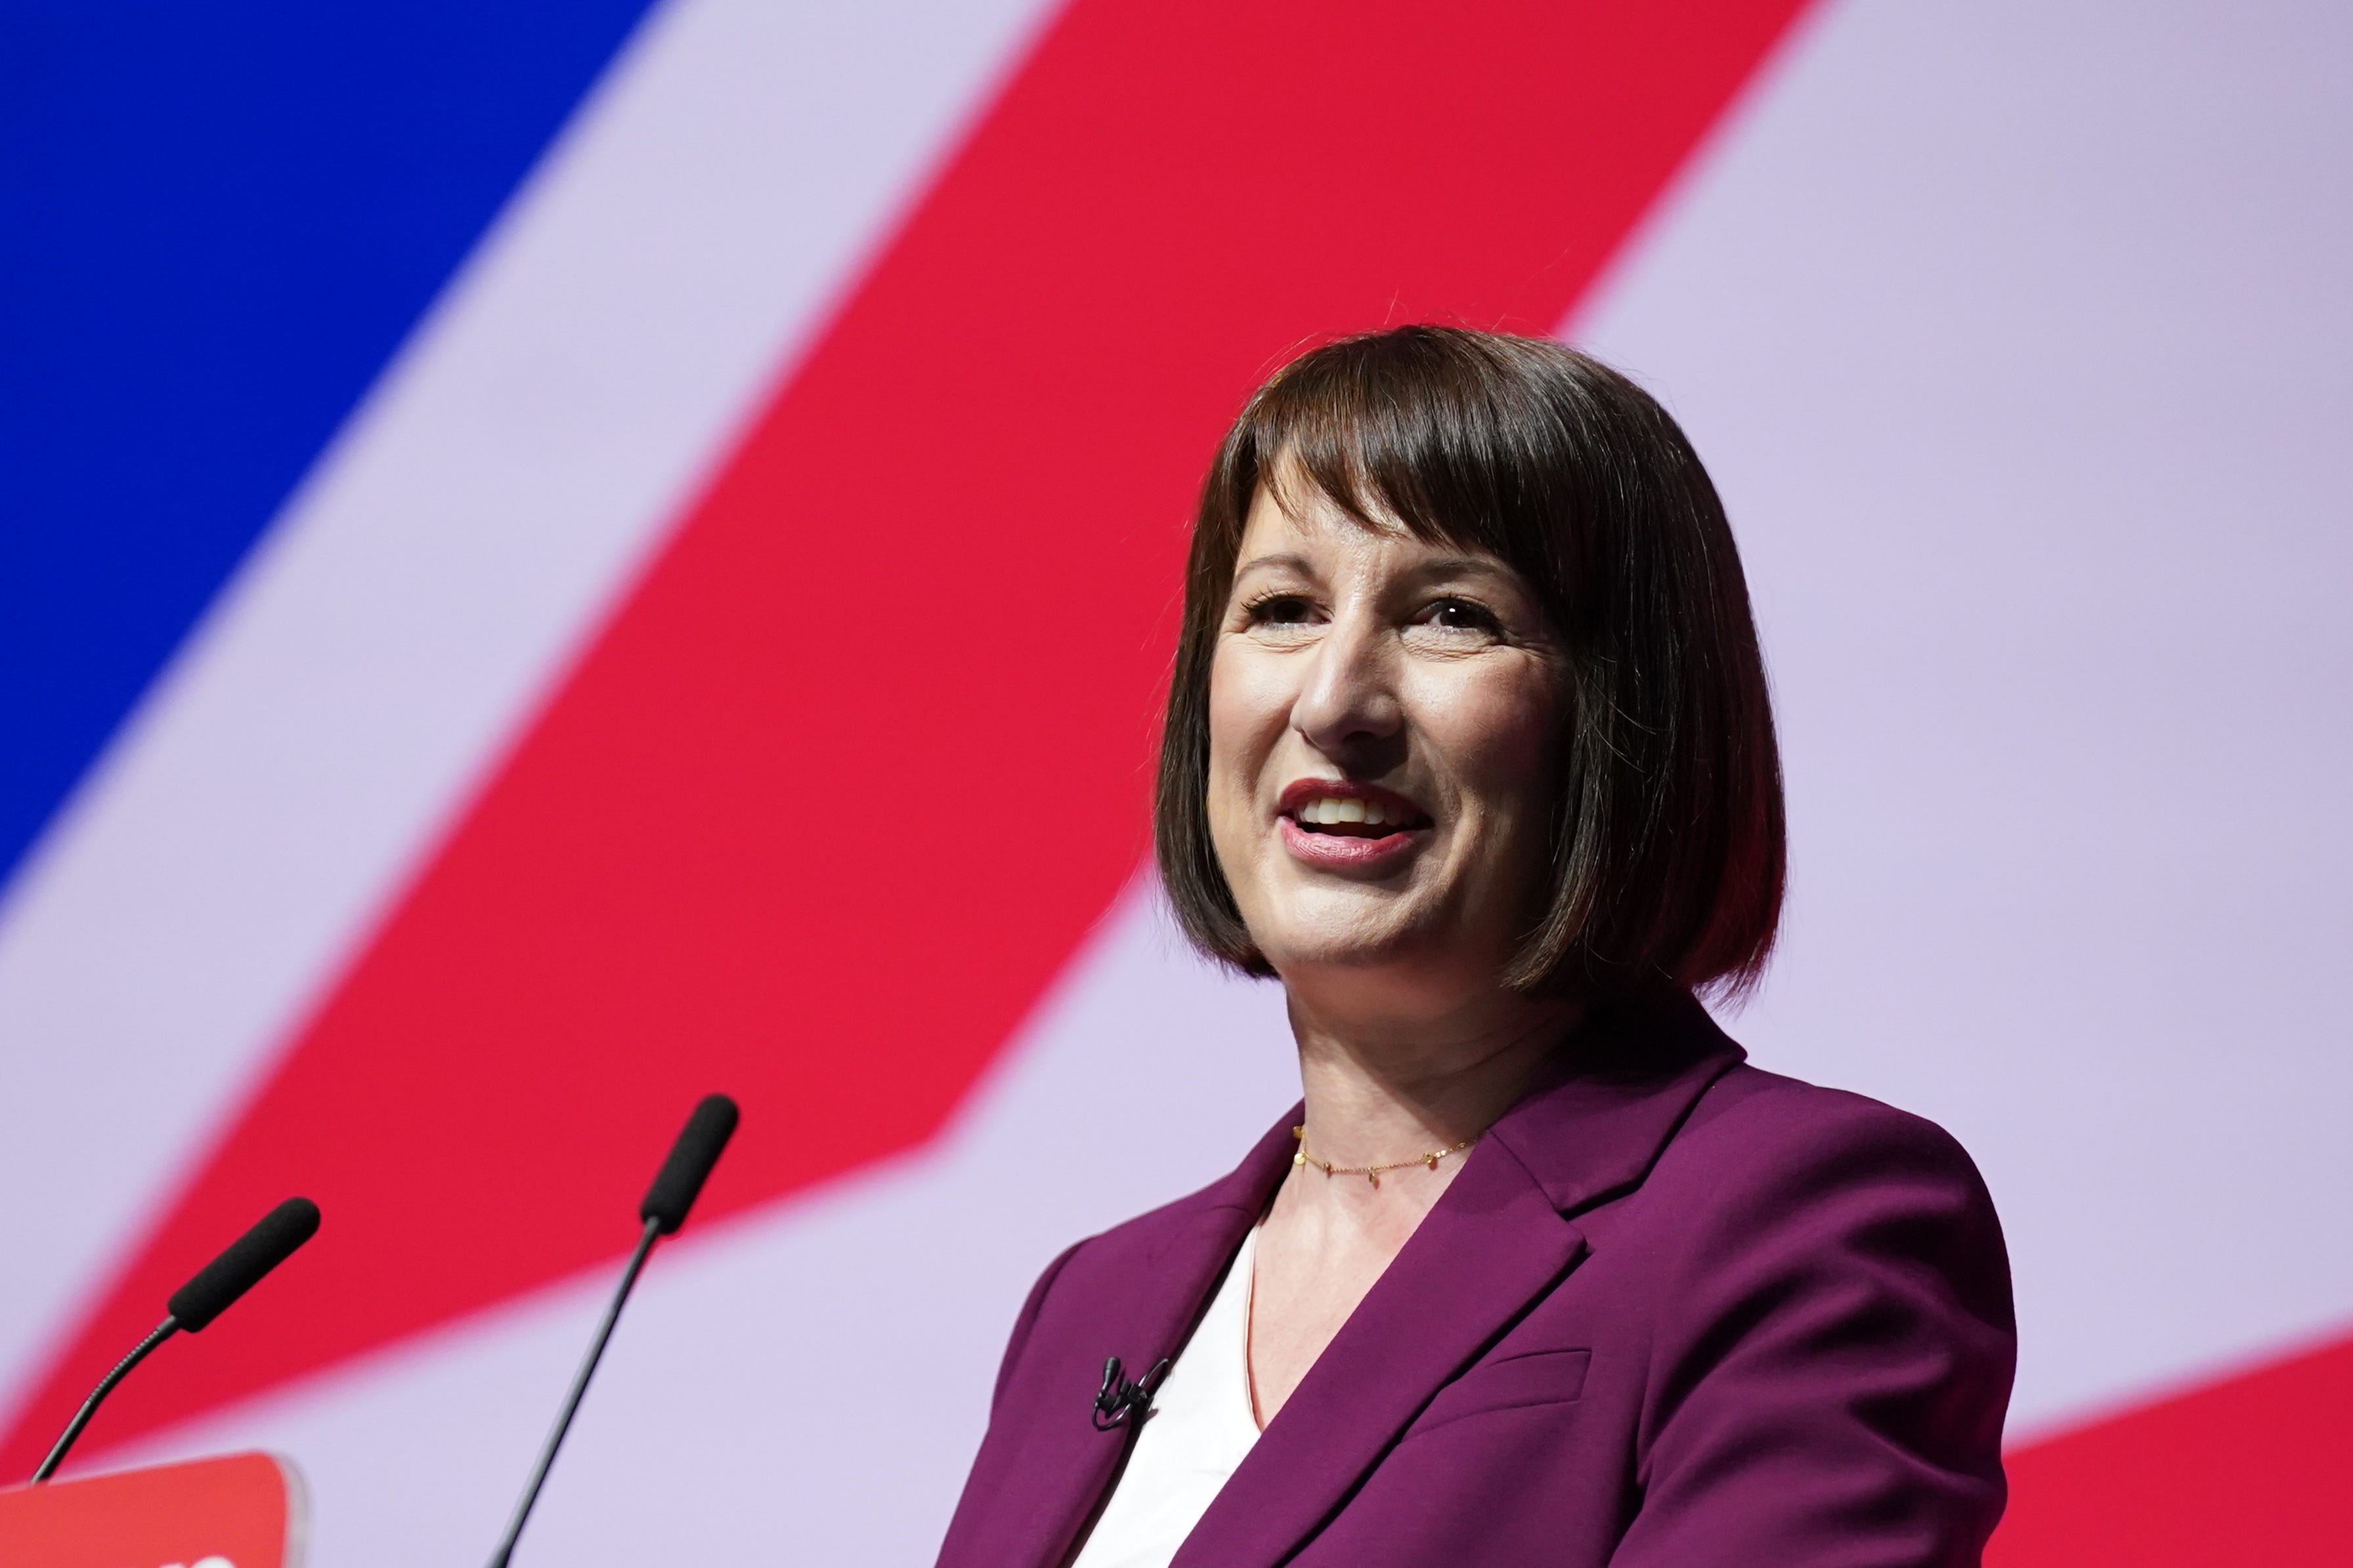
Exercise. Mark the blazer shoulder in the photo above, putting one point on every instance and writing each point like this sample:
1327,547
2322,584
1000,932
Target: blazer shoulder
1752,1119
1134,1243
1778,1170
1146,1239
1823,1298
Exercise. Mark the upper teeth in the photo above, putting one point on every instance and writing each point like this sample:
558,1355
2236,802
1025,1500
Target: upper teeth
1328,809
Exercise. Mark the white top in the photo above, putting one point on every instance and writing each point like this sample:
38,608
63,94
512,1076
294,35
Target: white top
1200,1427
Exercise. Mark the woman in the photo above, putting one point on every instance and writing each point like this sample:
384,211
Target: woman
1468,745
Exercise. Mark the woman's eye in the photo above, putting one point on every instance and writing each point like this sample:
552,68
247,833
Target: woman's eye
1462,615
1280,610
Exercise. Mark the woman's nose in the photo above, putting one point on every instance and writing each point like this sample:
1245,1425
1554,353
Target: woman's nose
1349,702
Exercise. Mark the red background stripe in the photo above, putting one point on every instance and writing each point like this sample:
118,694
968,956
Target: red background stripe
830,800
2251,1468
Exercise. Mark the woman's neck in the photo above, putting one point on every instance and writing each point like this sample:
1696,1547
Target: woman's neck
1388,1081
1415,1081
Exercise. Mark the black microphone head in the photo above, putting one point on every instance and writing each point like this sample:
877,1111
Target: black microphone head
691,1158
242,1267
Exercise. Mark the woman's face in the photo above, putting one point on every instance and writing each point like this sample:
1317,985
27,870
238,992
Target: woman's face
1382,715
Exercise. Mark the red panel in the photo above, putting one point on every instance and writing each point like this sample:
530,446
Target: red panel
852,770
2256,1470
240,1508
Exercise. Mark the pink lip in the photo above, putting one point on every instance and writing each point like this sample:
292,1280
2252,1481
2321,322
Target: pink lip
1348,852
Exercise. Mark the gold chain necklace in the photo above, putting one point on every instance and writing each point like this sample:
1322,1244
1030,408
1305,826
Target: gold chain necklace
1373,1173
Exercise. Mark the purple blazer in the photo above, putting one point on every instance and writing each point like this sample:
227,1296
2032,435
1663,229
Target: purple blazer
1673,1312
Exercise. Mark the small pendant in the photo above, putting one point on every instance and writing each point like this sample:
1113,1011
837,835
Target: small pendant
1373,1177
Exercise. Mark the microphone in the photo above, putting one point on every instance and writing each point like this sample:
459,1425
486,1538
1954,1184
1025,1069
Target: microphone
679,1181
676,1186
1121,1400
215,1288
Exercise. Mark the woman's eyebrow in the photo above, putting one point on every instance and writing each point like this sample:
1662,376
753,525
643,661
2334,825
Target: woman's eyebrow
1284,562
1466,566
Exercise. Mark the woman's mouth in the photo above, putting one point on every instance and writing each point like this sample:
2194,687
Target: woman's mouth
1340,824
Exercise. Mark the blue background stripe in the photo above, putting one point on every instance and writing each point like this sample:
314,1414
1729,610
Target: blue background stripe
217,224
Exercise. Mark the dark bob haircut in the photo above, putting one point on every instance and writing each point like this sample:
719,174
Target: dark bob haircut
1667,848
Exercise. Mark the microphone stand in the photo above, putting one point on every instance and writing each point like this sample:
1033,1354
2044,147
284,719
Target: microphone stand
572,1401
674,1193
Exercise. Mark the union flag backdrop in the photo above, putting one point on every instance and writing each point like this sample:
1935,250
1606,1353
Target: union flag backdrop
556,558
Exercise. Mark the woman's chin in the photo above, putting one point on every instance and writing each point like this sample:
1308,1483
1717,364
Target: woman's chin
1341,933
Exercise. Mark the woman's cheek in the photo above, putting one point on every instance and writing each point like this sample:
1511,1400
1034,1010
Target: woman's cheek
1497,728
1246,722
1237,754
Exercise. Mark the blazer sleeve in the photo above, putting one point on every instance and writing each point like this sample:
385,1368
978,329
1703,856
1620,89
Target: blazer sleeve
1832,1352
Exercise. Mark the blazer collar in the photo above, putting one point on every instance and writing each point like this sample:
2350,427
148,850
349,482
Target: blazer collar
1622,1085
1498,1239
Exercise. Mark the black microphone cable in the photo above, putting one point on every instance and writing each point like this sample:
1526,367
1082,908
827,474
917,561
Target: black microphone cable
194,1305
675,1188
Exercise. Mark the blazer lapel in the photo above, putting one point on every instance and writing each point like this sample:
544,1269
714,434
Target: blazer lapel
1067,1469
1499,1239
1493,1245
